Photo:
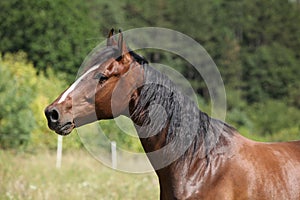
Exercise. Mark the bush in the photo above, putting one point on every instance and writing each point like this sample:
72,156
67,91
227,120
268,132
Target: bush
272,117
17,91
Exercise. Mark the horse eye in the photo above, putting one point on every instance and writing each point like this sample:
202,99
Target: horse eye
101,77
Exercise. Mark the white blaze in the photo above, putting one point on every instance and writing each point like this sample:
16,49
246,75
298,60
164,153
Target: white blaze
73,86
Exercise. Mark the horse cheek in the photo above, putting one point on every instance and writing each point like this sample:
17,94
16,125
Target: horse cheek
120,98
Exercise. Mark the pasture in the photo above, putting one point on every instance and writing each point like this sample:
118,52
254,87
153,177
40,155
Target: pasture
34,176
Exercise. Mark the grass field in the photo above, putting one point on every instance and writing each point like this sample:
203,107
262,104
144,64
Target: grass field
34,176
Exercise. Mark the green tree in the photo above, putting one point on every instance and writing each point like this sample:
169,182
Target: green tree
54,33
270,72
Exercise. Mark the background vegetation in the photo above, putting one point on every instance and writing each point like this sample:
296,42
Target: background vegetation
255,45
37,179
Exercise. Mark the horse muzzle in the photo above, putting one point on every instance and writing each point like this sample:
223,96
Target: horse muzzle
57,123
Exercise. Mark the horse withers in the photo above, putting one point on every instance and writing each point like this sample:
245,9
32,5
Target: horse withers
194,156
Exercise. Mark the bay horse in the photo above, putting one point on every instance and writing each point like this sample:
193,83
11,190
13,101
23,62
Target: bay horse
199,157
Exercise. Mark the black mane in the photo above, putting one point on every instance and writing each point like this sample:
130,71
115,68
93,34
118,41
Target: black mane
188,126
141,60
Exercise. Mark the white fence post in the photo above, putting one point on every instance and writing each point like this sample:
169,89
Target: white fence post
59,151
114,154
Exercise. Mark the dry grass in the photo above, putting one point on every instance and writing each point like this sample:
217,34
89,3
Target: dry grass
27,176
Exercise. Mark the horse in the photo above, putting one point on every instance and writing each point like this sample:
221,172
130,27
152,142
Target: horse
194,156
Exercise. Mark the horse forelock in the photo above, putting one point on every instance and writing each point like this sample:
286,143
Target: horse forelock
101,55
98,57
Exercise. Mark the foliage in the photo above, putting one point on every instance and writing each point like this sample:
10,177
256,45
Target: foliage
255,45
17,91
53,33
270,72
273,117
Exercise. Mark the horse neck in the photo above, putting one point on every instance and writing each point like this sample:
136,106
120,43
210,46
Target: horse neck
154,109
164,116
166,119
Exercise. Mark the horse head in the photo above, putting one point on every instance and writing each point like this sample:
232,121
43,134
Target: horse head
104,89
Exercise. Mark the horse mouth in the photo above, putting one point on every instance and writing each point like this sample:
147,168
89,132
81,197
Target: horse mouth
65,129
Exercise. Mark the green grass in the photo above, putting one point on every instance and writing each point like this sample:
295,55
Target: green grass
34,176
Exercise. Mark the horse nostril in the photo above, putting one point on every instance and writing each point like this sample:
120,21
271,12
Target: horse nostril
54,115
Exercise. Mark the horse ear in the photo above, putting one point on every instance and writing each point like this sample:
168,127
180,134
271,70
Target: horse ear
110,39
123,50
122,63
